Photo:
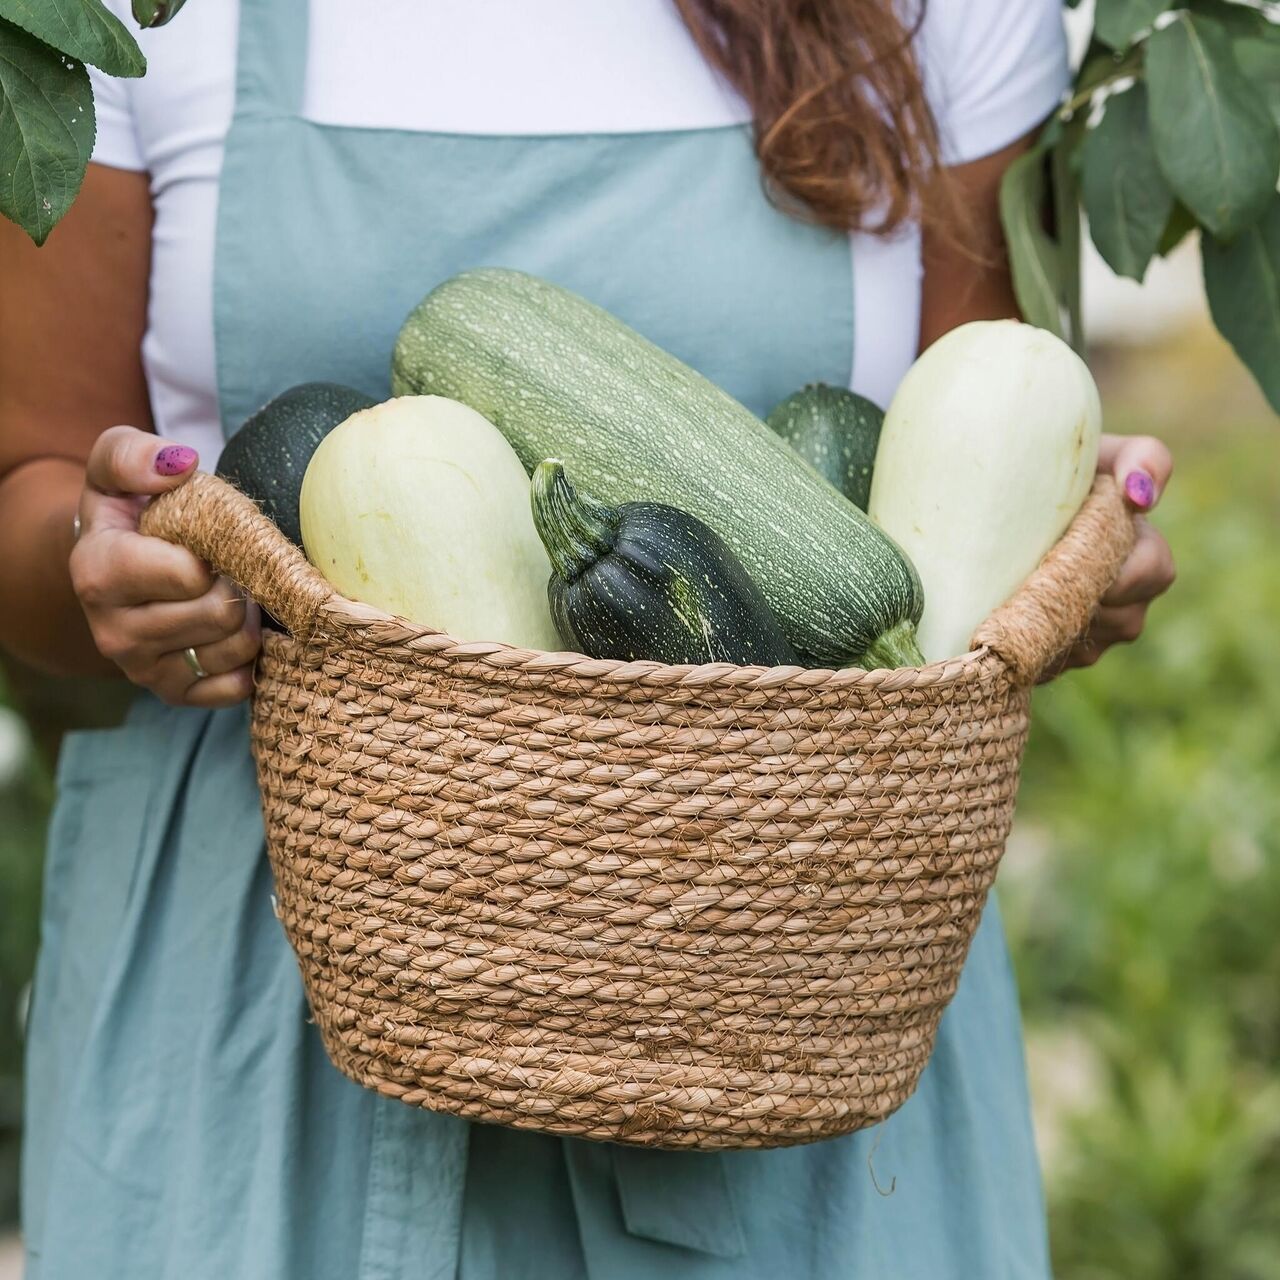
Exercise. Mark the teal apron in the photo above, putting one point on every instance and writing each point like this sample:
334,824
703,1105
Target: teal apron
183,1120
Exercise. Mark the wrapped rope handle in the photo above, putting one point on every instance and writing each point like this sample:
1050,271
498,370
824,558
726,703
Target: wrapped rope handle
218,523
1047,615
1052,609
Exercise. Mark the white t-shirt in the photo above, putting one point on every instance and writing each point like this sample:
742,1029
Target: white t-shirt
994,69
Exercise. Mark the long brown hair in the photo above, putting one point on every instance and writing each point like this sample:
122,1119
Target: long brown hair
843,129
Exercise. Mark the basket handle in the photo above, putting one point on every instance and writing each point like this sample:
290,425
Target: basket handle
1052,609
218,523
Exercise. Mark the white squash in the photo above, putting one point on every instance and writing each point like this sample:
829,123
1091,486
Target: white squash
987,452
420,507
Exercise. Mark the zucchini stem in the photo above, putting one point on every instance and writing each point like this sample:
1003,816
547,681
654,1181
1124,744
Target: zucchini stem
575,529
896,647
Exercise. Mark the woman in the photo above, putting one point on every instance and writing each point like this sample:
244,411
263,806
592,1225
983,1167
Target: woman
264,208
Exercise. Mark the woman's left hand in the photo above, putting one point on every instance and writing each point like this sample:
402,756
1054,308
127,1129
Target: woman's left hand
1142,466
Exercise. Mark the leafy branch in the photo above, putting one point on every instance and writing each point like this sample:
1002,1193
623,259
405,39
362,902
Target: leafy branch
1172,126
47,124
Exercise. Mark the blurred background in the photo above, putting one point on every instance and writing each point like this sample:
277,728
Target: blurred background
1142,884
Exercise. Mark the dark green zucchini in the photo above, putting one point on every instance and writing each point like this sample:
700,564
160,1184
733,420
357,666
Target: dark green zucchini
644,580
268,456
836,432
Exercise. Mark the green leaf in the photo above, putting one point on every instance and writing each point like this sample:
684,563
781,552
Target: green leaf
46,131
1064,173
1182,222
1215,139
1242,280
1260,62
82,29
1126,196
155,13
1117,21
1240,20
1034,257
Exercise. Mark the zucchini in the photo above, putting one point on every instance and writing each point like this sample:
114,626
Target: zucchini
268,456
836,432
646,581
989,448
561,378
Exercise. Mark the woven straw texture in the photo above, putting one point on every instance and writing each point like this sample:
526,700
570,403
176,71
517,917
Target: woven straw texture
704,907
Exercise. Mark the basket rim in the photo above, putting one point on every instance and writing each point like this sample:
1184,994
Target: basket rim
372,629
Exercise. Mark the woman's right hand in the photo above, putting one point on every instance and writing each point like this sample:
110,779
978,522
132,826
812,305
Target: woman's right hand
147,601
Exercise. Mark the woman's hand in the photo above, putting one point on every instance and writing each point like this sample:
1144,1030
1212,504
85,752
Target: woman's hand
1141,466
146,600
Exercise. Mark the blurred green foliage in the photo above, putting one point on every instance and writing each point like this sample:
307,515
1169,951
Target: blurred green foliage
1142,897
1147,925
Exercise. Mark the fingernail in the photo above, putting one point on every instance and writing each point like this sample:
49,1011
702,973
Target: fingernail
174,459
1140,489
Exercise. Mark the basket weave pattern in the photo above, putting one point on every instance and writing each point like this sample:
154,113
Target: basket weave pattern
673,906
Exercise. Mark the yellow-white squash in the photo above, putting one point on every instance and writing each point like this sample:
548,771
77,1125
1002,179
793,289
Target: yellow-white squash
987,451
420,507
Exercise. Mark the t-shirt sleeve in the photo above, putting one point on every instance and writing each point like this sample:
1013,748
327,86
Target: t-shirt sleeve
116,143
995,69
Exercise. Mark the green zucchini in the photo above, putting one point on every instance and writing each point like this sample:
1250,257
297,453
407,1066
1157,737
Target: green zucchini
268,456
836,432
646,581
561,378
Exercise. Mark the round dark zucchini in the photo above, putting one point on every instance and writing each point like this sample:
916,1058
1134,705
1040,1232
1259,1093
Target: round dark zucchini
644,580
836,432
268,456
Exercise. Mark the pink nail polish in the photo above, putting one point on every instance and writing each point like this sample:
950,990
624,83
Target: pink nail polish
174,459
1140,489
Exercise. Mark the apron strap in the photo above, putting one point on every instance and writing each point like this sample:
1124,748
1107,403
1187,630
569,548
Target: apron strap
271,59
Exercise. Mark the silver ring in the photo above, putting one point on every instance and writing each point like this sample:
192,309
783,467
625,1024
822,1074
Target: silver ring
75,528
192,661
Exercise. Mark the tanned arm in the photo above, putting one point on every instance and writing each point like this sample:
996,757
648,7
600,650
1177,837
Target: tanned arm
72,315
966,275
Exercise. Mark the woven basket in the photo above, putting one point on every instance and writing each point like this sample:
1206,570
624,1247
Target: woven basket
703,907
